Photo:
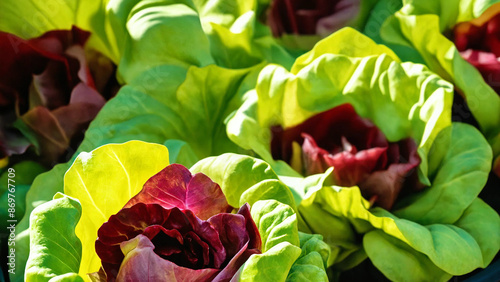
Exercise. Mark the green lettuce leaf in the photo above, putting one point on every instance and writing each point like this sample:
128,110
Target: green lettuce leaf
43,189
230,172
237,38
169,104
452,243
459,164
155,31
419,29
287,255
312,261
56,251
106,178
223,32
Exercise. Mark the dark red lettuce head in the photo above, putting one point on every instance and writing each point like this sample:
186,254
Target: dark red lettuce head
178,228
356,149
322,17
479,44
47,86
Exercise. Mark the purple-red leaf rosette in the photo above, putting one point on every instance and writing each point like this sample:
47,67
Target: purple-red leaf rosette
178,228
48,95
357,150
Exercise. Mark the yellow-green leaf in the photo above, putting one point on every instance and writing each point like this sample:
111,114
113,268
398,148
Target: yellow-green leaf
104,180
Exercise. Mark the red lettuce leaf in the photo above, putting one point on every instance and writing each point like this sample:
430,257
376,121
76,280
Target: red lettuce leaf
175,186
236,230
21,59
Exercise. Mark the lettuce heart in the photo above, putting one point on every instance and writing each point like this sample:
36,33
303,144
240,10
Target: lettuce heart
356,149
280,253
185,245
403,100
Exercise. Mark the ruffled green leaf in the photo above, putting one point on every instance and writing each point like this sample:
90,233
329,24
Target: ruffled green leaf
459,164
56,251
470,234
420,27
348,43
311,264
263,267
282,257
244,179
277,223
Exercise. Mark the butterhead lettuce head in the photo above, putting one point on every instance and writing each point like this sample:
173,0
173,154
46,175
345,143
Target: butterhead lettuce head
431,234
